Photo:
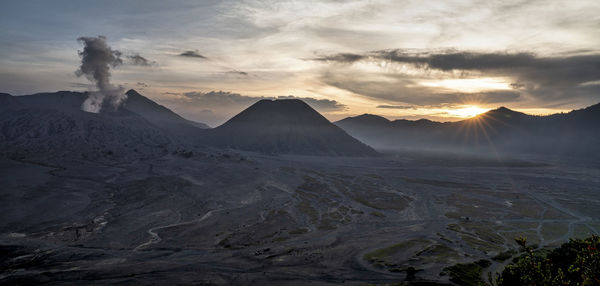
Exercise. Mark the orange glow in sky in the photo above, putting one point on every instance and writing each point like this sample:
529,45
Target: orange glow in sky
467,111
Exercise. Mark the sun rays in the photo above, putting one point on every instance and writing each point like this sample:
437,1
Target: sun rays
467,111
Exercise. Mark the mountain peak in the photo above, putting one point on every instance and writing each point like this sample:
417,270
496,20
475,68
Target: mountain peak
133,92
286,126
365,119
503,109
267,112
503,112
368,116
278,103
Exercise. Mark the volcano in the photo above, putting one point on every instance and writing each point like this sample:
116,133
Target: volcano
287,126
53,124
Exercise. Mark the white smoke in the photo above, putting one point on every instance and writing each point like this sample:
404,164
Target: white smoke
96,59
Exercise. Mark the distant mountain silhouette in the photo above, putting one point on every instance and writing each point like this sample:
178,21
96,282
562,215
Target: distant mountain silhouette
53,123
498,130
286,126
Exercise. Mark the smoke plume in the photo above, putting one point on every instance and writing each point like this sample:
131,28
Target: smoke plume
96,60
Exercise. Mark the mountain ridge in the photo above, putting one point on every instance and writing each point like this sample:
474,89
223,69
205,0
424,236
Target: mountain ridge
497,130
54,123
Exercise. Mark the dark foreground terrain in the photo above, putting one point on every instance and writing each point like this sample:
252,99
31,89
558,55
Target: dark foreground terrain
218,217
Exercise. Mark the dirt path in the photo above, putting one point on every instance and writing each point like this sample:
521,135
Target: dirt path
155,238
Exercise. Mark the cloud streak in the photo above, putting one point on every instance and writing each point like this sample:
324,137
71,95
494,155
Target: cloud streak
396,106
192,54
138,60
550,79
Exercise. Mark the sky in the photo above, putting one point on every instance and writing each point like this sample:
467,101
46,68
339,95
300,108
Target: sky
208,60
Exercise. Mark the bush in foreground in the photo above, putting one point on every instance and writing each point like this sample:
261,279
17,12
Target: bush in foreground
576,262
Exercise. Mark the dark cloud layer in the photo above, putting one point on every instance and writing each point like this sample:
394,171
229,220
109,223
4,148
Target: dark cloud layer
192,54
138,60
549,79
221,98
341,57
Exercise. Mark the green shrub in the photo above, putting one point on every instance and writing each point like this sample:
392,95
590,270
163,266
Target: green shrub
576,262
468,274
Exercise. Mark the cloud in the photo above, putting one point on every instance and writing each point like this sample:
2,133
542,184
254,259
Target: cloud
319,104
96,60
407,91
221,98
340,58
397,106
237,73
138,60
192,54
544,79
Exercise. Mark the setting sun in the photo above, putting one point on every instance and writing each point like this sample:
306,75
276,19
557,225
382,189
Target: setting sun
468,111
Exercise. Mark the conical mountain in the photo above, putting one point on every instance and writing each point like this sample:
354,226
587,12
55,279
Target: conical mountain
287,126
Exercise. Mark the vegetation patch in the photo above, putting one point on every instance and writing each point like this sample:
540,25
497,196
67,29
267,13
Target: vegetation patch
576,262
384,252
552,231
394,258
505,255
298,231
468,274
480,244
305,208
377,214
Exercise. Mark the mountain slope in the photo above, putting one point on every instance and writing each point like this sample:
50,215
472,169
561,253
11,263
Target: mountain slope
135,102
37,132
53,124
155,112
8,102
286,126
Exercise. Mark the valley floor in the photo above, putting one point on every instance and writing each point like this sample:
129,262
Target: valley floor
241,218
